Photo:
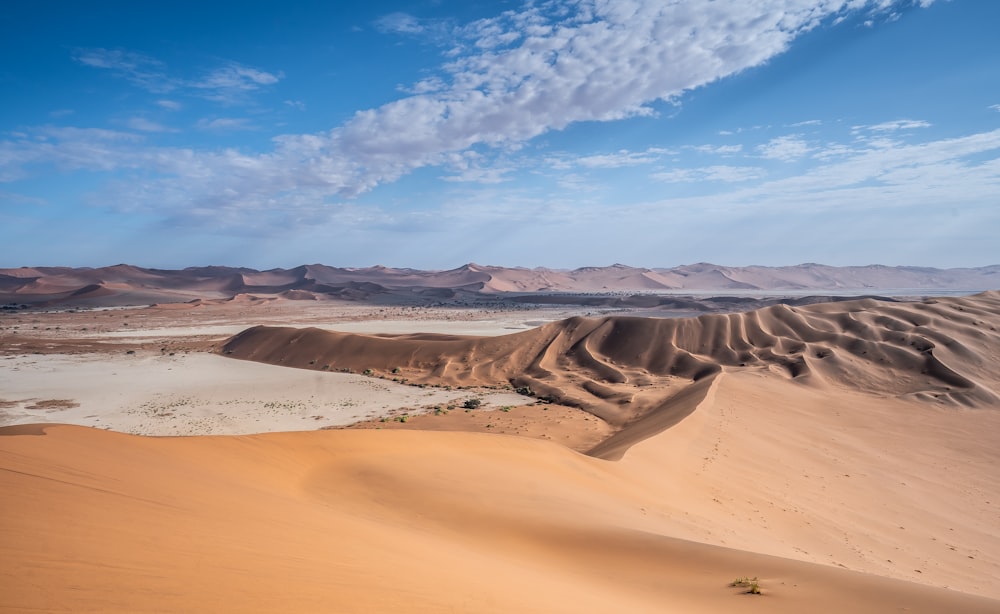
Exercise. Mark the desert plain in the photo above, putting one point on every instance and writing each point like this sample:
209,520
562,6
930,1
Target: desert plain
477,442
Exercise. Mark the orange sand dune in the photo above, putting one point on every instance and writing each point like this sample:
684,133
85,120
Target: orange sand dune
362,521
636,373
844,454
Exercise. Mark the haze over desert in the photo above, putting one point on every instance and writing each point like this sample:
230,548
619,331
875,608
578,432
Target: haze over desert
464,306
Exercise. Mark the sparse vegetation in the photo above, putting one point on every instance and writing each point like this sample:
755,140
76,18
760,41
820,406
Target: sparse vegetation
752,585
472,404
367,372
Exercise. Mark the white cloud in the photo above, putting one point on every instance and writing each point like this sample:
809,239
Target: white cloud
575,182
13,199
512,78
722,173
68,148
995,107
618,159
475,167
235,76
225,123
929,174
438,31
143,71
170,105
598,61
402,23
296,104
785,148
899,124
492,174
719,150
144,125
227,83
425,86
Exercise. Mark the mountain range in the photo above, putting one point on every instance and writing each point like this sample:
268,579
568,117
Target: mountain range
126,284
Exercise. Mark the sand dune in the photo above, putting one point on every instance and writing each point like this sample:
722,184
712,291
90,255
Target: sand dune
844,454
129,285
373,521
631,372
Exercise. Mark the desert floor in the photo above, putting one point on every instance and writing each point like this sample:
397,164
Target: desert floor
304,490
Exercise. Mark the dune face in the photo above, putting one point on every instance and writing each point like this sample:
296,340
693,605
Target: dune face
367,521
632,371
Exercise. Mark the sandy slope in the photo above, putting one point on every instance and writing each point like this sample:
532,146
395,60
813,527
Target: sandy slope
844,454
355,521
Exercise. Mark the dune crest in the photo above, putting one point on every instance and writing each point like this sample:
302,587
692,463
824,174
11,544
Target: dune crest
625,369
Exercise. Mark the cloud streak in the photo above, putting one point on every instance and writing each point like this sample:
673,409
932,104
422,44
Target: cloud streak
228,83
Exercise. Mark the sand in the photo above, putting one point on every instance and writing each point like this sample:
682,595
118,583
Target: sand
205,394
377,521
844,455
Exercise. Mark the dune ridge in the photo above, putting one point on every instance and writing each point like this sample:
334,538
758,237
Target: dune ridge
623,369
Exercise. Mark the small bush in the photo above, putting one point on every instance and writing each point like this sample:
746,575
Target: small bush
367,372
472,404
751,584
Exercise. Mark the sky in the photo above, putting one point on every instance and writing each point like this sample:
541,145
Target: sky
556,133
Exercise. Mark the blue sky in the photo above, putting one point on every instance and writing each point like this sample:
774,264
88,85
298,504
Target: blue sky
430,133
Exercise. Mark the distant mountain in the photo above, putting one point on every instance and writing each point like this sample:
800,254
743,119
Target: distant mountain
125,284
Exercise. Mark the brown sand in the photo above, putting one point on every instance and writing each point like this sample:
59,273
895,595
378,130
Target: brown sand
642,375
845,455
